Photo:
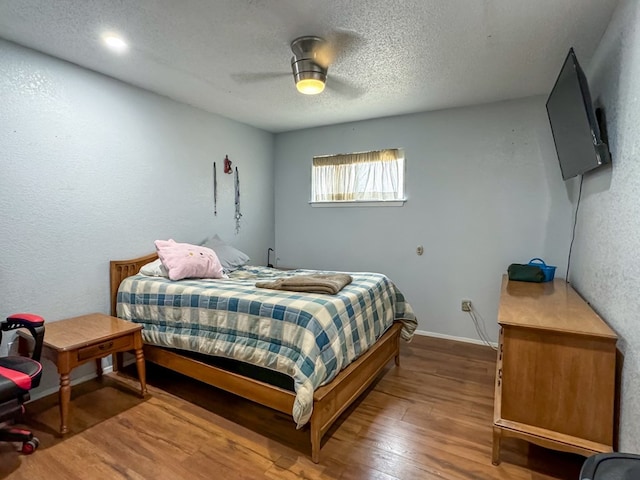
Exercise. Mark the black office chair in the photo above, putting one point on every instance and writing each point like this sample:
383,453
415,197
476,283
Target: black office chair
611,466
18,375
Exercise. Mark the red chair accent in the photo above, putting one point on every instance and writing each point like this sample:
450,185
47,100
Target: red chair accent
18,375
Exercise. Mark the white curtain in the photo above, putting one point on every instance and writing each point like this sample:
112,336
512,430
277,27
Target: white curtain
367,176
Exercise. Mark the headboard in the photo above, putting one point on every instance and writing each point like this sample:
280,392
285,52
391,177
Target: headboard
121,269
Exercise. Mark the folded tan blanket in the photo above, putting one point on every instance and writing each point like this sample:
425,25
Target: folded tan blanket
329,284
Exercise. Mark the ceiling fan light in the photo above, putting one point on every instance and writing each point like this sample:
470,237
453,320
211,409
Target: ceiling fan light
310,86
308,75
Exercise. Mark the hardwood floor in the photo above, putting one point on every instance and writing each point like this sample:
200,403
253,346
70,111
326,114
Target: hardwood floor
429,418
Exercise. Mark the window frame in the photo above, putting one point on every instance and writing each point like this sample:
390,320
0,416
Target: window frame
396,202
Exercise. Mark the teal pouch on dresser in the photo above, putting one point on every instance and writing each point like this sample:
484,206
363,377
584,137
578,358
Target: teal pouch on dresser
525,273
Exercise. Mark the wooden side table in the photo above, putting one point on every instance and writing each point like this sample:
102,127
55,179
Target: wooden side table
75,341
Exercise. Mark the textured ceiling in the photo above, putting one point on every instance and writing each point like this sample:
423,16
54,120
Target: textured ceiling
232,57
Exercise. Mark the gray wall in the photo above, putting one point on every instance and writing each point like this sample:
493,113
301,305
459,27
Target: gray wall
484,190
94,169
605,266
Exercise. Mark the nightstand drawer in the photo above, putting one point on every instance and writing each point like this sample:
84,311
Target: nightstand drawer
105,348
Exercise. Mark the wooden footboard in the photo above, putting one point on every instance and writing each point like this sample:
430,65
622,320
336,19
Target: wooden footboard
329,401
334,398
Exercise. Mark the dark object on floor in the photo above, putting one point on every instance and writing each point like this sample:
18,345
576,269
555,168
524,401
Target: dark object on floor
18,375
611,466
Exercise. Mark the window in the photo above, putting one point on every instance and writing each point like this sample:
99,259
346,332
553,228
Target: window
359,178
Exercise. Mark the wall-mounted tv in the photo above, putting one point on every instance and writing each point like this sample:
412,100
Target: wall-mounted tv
574,124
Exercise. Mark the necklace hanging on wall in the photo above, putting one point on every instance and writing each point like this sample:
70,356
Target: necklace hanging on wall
215,191
237,189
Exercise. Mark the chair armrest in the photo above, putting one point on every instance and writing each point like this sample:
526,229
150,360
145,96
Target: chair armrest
24,320
33,323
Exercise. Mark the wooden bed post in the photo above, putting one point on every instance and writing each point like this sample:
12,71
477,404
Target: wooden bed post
316,437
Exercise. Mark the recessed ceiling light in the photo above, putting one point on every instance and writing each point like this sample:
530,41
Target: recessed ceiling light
115,42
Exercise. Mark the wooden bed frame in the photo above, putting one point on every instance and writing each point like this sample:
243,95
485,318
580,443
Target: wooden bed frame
329,401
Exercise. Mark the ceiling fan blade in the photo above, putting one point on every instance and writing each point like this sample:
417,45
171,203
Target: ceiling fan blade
324,54
336,44
253,77
344,87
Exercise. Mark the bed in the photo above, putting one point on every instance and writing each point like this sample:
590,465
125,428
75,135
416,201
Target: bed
332,346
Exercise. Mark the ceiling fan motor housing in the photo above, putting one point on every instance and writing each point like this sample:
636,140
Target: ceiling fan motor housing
303,62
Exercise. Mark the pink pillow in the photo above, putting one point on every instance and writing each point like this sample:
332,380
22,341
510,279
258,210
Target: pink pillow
183,260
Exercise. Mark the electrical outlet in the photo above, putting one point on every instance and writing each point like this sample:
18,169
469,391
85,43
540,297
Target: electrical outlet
466,305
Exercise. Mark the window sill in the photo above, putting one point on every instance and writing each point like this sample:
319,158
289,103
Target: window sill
356,203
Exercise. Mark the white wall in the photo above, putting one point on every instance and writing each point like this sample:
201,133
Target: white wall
484,190
605,266
93,169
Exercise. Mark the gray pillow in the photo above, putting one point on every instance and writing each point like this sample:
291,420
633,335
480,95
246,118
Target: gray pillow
231,258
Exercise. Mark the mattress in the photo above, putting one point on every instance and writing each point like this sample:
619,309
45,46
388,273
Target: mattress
309,337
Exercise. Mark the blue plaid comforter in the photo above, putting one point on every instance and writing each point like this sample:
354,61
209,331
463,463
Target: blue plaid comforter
309,337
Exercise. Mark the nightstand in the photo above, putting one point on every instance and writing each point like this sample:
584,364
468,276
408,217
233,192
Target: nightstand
75,341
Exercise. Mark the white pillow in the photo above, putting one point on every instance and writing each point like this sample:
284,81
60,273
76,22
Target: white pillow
231,258
154,269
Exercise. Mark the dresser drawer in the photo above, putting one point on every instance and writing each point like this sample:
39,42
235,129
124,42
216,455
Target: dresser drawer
105,348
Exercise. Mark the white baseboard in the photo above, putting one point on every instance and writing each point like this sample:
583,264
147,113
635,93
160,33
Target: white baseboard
43,393
451,337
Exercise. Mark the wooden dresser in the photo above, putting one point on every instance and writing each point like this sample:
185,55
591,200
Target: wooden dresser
555,375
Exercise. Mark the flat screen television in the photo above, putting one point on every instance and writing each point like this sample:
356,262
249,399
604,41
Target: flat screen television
574,123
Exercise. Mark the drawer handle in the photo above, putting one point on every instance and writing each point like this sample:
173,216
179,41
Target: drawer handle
106,346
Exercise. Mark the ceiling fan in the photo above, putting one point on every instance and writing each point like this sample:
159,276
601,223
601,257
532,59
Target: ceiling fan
310,63
312,56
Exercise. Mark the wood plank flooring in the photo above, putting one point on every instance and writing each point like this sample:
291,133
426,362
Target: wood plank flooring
429,418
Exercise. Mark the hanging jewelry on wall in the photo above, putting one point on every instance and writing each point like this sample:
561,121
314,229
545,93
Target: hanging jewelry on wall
227,165
215,191
237,188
